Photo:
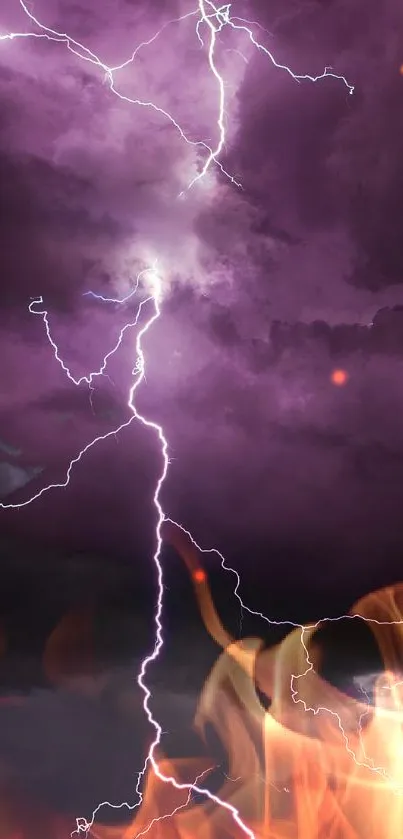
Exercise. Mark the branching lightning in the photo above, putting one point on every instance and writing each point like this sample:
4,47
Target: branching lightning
177,809
369,763
210,21
84,826
89,380
215,18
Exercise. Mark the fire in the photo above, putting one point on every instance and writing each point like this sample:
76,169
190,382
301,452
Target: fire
317,765
312,763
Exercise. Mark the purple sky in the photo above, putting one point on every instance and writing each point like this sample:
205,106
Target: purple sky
267,289
265,450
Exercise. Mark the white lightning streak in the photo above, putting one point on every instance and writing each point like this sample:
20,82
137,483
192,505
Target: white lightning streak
214,19
88,379
82,824
91,376
369,762
328,72
177,809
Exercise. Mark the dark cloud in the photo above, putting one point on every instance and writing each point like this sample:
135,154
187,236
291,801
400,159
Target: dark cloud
266,289
328,160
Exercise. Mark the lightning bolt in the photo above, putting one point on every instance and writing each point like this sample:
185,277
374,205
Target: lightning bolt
89,380
83,825
177,809
213,20
315,710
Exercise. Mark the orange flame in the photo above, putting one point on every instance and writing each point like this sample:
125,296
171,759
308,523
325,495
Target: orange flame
317,765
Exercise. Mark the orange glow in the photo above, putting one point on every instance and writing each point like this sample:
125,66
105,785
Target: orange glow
294,771
401,69
68,659
339,377
318,764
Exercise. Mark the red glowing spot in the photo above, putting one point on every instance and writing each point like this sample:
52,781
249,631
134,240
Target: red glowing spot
401,69
339,377
199,575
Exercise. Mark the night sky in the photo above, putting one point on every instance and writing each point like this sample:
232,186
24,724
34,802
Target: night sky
268,288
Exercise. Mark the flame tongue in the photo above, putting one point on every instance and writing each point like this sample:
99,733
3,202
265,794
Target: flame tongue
317,765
